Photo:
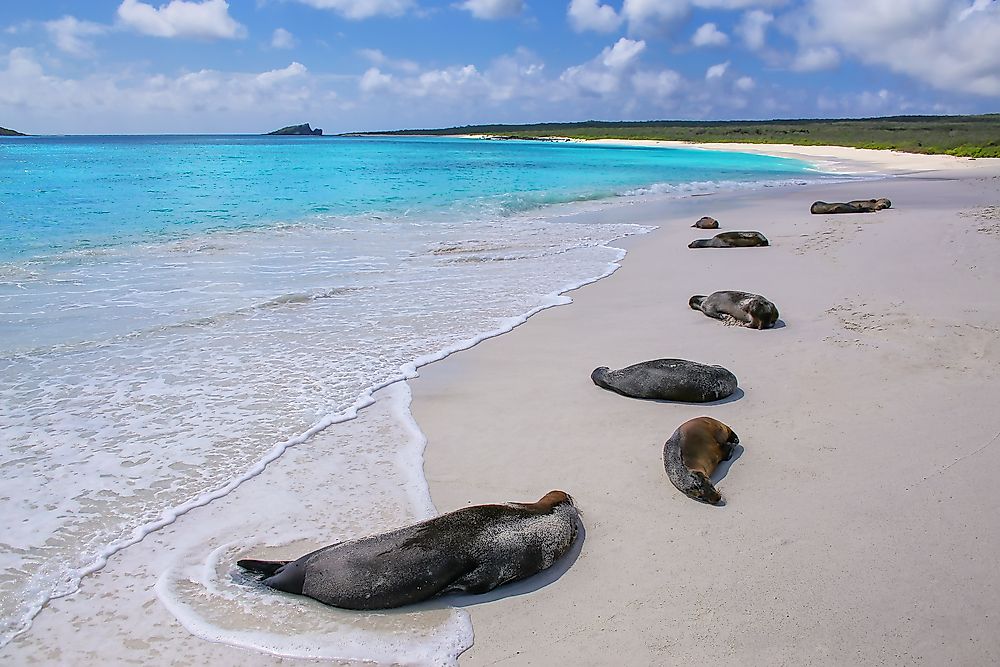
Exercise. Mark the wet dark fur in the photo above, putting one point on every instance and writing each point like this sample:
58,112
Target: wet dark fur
668,380
752,310
471,550
693,452
731,240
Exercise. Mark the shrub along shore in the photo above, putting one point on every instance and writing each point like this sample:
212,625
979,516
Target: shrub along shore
965,136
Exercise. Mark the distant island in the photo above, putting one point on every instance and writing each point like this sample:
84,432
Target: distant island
4,132
299,130
966,136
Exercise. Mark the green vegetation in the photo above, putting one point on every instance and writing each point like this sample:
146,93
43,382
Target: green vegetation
4,132
968,136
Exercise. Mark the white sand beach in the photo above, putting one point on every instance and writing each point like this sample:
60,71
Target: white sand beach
860,526
859,523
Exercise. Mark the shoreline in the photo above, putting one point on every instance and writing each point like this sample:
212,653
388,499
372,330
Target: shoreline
835,159
459,360
846,457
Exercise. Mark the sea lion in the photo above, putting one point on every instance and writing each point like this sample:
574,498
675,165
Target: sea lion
668,380
706,223
855,206
731,240
471,550
693,452
753,310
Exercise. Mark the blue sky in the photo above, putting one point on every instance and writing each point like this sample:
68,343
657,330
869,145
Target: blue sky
127,66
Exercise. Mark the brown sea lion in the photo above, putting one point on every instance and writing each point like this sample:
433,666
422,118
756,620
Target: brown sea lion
752,310
471,550
855,206
731,240
692,454
706,223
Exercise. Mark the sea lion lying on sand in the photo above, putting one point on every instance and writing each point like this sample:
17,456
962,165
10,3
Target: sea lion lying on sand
668,380
753,310
731,240
692,454
471,550
855,206
706,223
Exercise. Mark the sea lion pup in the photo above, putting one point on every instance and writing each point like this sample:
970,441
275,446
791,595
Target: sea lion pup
731,240
668,380
693,452
706,223
471,550
855,206
752,310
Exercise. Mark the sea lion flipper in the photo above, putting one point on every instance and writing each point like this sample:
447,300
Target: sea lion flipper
481,579
263,567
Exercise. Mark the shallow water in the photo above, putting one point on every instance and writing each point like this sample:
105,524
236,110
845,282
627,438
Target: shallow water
174,311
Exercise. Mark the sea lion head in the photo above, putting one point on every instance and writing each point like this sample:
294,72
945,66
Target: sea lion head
763,314
600,376
554,498
702,489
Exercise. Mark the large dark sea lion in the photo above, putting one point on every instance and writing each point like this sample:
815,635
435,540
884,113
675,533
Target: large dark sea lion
693,452
471,550
706,223
731,240
855,206
752,310
668,380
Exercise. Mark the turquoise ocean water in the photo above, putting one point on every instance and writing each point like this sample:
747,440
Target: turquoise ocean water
173,310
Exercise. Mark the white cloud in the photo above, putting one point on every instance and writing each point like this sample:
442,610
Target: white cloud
815,59
492,9
373,79
590,15
376,57
70,35
282,39
604,74
716,71
753,28
709,35
737,4
125,102
648,16
622,53
745,83
180,18
944,43
645,16
363,9
661,84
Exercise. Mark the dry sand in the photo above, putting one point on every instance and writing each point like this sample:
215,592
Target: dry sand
860,525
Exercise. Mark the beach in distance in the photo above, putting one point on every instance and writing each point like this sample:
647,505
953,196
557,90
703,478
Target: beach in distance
858,525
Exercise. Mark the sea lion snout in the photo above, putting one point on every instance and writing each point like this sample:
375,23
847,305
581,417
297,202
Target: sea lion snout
600,376
733,439
703,490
